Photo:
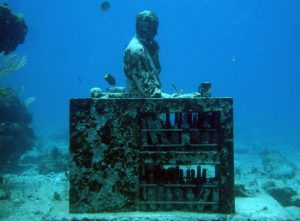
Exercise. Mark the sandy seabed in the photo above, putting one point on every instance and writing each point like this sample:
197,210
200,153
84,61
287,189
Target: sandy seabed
35,196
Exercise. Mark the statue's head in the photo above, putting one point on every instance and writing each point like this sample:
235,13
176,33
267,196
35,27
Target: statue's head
146,25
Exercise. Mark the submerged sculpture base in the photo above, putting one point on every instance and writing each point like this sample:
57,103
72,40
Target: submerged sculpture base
151,155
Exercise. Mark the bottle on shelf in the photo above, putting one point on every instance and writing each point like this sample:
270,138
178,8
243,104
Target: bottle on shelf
193,178
186,125
168,124
188,176
151,192
176,136
204,171
198,174
168,194
190,197
177,191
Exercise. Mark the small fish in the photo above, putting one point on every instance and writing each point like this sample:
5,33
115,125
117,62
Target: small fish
29,101
105,6
110,79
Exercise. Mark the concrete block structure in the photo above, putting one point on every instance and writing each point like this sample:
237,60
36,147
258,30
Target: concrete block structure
151,154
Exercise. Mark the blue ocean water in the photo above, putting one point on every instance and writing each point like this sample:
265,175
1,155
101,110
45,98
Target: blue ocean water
249,50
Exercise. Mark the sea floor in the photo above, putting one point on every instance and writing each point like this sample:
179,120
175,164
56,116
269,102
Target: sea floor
267,188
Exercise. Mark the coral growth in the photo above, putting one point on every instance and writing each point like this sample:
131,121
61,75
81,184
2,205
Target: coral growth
15,135
11,63
277,166
13,29
54,162
4,189
45,162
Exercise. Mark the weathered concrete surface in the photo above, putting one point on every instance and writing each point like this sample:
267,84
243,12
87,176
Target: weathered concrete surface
108,148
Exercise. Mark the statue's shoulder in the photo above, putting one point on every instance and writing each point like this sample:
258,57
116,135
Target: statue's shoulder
135,47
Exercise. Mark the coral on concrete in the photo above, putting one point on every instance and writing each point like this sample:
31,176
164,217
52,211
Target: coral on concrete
15,135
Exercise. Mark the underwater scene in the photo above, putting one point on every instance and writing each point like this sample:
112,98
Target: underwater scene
157,110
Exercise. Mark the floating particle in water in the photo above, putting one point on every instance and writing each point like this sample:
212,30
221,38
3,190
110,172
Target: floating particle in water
233,59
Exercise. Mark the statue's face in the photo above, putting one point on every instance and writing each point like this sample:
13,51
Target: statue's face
148,29
147,24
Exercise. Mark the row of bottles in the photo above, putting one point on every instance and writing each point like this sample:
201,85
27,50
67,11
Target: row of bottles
200,120
161,197
194,129
156,174
180,138
178,188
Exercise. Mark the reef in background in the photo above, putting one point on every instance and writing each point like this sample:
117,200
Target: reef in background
13,29
15,135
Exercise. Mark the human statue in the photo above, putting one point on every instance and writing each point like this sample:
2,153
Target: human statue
141,61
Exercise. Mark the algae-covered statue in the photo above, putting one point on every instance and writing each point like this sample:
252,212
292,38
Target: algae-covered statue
141,62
